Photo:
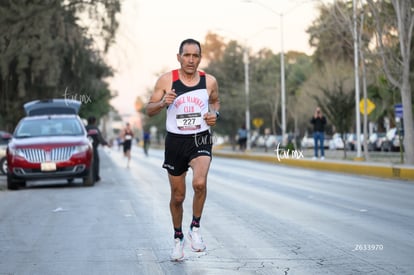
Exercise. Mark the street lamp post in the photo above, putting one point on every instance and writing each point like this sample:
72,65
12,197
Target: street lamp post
282,82
356,69
247,91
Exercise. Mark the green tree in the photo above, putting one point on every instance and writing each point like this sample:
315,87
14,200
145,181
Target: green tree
330,35
299,69
213,47
265,89
45,52
264,84
229,72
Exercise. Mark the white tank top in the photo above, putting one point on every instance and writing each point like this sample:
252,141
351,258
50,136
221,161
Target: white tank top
185,114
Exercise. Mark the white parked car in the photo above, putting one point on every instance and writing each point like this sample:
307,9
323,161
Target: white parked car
336,143
268,141
391,141
375,141
307,142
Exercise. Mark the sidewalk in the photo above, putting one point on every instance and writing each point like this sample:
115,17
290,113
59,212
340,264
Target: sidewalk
380,164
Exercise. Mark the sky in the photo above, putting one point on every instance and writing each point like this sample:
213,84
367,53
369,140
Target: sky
150,32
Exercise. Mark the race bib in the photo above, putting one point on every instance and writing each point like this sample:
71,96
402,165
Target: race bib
190,121
128,137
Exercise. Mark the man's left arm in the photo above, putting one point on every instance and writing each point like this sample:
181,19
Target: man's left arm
214,101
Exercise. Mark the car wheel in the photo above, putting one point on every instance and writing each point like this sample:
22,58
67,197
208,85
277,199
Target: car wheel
89,179
13,184
3,166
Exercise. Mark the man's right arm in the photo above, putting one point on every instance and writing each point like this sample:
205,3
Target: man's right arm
157,101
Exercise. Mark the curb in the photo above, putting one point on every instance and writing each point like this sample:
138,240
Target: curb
391,171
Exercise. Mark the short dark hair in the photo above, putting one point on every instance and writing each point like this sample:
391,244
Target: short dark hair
91,120
188,41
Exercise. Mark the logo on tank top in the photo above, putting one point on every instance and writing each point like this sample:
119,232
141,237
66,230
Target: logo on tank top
188,115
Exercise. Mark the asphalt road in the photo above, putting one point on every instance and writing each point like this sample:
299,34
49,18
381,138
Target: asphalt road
259,218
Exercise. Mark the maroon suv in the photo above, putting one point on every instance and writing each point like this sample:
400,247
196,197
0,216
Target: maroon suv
51,142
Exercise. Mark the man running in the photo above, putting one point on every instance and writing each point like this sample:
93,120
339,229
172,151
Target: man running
127,137
192,102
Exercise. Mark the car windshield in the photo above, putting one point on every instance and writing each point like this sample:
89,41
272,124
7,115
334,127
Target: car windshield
47,126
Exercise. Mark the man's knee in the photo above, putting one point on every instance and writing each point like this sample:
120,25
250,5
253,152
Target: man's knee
178,195
177,199
199,184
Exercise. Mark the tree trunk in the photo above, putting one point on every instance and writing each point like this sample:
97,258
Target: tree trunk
408,119
405,28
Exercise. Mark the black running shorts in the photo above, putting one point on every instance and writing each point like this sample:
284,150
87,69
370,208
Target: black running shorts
127,145
181,149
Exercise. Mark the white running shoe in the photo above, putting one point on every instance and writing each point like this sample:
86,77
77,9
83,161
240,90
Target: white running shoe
197,243
178,250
